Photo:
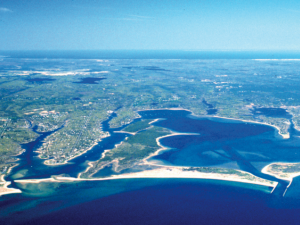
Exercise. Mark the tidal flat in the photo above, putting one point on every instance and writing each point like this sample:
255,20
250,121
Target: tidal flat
88,151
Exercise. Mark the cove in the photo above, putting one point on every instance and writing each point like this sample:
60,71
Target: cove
30,166
221,143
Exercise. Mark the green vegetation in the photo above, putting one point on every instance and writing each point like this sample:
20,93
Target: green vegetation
124,116
232,87
215,170
284,170
12,134
131,151
138,126
81,133
246,176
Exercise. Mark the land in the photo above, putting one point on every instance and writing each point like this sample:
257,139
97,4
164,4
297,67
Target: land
138,126
171,172
134,153
4,190
285,171
130,152
49,96
82,133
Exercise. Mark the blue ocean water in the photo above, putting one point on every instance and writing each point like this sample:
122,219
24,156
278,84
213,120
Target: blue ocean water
160,201
30,166
220,143
151,201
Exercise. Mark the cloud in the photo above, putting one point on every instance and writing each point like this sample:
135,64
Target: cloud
2,9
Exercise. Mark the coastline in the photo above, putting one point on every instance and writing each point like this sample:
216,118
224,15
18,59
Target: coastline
165,172
67,161
288,176
162,148
153,121
284,136
4,190
125,132
147,174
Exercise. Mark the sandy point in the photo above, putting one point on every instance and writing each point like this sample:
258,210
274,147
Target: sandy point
4,190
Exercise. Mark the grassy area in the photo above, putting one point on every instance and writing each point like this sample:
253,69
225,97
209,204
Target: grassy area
138,126
285,168
224,171
131,151
183,84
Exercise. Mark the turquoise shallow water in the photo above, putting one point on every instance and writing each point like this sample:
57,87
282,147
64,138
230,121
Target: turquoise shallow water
166,201
221,143
148,201
30,166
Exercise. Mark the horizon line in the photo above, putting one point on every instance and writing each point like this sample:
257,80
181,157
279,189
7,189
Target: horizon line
184,50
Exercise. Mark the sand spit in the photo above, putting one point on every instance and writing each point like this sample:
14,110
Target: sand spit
161,171
277,170
4,190
284,136
162,148
168,172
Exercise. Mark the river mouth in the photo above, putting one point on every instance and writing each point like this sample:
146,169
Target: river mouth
220,143
31,166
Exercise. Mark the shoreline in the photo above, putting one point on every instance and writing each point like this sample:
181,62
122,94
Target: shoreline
153,121
125,132
284,136
165,172
134,133
162,148
67,161
290,176
4,190
179,108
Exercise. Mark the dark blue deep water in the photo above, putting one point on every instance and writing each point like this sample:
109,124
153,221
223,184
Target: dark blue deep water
272,112
219,143
152,201
89,80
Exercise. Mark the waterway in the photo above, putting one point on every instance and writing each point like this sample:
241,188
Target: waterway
220,143
30,166
89,80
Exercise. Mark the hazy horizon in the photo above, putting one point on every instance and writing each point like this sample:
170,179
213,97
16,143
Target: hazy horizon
150,25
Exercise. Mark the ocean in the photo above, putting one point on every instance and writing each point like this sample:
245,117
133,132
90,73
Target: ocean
248,147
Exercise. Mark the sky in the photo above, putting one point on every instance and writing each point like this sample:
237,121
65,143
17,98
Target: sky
149,24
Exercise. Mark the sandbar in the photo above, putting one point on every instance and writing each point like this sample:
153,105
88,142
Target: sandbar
168,172
4,190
